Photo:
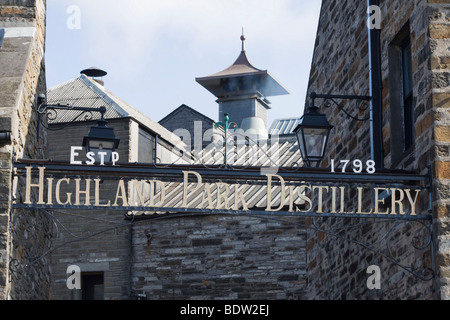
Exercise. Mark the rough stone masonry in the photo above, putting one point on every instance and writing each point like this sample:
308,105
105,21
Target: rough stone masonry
23,235
337,269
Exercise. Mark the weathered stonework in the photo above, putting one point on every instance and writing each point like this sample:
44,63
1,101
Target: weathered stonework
95,241
24,272
223,257
439,31
341,66
240,257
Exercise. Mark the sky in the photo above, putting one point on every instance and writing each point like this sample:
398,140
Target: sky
153,50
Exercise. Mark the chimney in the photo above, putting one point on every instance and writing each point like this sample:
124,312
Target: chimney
95,73
242,92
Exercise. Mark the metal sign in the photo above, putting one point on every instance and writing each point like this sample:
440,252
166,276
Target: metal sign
145,190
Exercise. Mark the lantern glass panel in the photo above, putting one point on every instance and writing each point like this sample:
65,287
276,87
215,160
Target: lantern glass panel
97,146
315,141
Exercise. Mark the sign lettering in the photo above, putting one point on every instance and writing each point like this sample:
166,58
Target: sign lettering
192,191
74,153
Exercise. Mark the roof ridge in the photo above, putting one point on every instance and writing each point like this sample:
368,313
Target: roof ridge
72,91
244,60
135,113
184,106
104,94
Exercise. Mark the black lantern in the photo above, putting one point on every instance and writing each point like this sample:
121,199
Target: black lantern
312,135
101,141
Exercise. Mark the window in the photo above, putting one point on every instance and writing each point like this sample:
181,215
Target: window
92,286
407,96
146,146
401,94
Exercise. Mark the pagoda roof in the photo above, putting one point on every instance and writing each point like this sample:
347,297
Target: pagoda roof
243,68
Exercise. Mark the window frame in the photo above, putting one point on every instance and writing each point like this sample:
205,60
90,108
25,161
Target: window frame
145,136
89,280
402,103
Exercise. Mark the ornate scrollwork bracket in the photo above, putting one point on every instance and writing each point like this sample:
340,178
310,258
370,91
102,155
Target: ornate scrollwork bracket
361,102
421,239
48,113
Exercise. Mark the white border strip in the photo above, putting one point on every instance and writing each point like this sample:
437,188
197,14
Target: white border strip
20,32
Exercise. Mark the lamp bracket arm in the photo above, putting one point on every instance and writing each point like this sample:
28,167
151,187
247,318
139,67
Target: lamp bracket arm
361,102
50,112
44,107
340,96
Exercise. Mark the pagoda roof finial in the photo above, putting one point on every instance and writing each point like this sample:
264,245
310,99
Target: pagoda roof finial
242,68
243,39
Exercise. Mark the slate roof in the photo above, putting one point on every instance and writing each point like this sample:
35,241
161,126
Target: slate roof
263,154
183,107
83,91
284,126
269,156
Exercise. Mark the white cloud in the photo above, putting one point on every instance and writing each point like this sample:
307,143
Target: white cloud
140,27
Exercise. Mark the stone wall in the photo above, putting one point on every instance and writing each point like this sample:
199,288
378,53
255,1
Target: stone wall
339,257
219,257
24,235
439,31
60,141
95,241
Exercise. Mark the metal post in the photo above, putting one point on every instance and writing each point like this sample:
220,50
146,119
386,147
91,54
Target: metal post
226,125
376,89
155,155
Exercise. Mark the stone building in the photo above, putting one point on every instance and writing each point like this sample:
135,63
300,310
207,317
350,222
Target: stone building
142,140
196,129
187,256
98,242
207,246
410,132
24,235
